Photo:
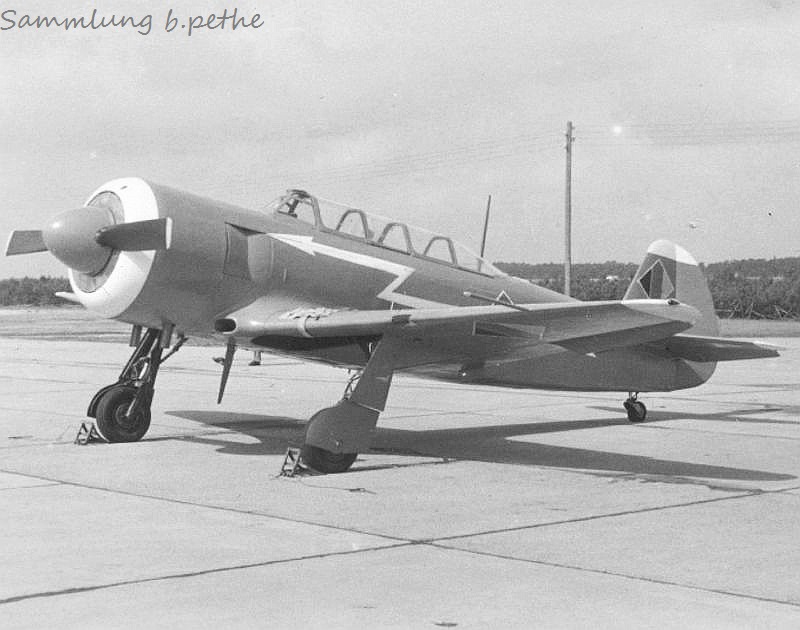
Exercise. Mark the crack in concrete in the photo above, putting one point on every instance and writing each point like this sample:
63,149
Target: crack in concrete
657,508
638,578
208,506
399,542
34,485
190,574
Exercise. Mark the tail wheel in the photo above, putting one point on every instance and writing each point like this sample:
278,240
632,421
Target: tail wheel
112,420
326,461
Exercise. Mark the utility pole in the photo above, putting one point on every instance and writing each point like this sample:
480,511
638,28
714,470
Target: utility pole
568,214
486,225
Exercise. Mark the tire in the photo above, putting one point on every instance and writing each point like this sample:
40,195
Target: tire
327,462
637,412
111,422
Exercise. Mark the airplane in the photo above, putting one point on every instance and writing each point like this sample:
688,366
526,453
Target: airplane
328,282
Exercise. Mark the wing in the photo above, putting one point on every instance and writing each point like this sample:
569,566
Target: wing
583,327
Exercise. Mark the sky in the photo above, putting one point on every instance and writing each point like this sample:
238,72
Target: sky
686,114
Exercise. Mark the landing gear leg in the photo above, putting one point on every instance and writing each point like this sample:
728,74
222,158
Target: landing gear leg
637,412
122,409
335,435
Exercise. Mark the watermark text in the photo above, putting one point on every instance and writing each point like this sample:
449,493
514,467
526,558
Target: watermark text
172,22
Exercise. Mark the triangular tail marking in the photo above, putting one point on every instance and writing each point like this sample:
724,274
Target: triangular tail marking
656,282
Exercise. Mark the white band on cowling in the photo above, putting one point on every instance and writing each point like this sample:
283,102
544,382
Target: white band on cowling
130,273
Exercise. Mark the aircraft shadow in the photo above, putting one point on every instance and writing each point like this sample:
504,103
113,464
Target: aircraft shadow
739,415
274,433
491,444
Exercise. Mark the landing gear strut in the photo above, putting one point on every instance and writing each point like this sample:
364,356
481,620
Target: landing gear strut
637,412
122,410
335,435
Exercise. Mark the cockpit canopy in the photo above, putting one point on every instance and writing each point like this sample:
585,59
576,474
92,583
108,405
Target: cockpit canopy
337,218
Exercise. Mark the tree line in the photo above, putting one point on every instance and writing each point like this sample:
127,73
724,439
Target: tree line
33,291
752,288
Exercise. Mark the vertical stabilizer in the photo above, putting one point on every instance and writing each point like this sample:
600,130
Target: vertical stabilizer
669,271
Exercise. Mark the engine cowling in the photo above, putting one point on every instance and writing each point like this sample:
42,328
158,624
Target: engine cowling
149,254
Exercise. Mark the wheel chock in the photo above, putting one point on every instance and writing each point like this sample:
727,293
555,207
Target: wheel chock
87,433
291,463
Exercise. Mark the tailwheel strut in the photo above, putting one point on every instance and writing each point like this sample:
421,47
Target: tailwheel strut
637,412
335,435
122,410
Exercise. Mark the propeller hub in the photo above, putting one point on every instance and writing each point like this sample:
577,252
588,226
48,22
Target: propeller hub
70,237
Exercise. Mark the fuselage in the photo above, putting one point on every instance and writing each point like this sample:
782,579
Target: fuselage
306,255
223,257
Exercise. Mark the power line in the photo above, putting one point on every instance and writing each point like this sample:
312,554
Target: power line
684,126
654,134
458,156
690,134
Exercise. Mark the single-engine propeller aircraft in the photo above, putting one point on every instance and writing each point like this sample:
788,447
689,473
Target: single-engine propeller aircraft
332,283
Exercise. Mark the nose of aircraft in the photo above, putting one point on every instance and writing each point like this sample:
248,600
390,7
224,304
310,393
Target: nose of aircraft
85,239
71,237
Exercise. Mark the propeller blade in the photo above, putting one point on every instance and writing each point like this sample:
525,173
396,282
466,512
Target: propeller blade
25,242
137,236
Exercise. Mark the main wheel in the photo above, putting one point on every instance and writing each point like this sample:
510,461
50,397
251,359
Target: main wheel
112,424
326,461
637,412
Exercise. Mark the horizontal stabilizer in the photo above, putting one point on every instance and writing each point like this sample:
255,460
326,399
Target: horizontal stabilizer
711,349
25,242
137,235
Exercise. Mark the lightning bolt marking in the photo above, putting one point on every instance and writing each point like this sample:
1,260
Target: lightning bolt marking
389,293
